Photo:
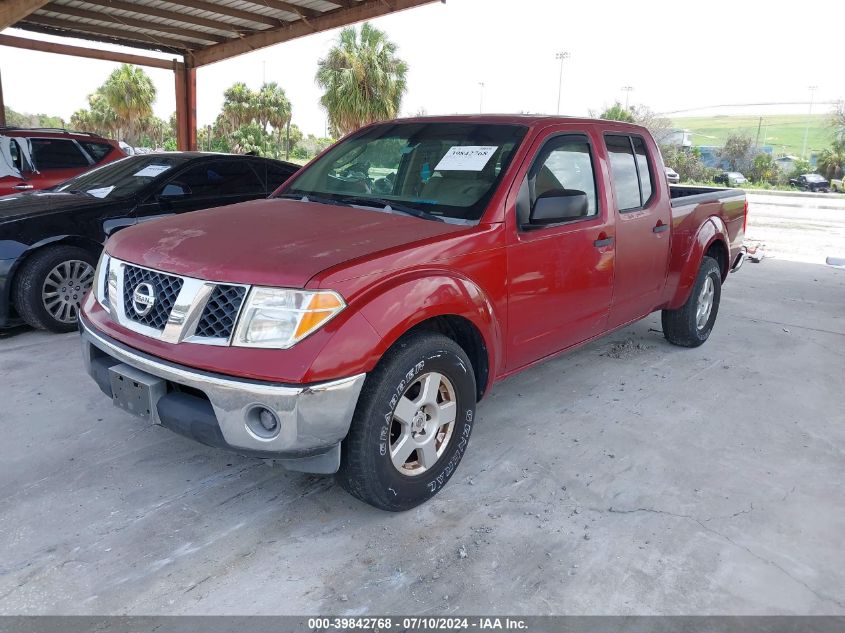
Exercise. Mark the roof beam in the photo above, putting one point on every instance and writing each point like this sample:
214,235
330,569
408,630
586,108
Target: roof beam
90,53
365,10
119,20
69,27
12,11
231,12
167,14
279,5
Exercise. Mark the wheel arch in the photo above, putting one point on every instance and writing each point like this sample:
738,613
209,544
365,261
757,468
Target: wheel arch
710,240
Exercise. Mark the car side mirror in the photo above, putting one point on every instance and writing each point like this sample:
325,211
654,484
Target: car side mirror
558,205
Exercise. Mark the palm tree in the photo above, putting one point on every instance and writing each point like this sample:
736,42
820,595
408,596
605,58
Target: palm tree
273,106
130,93
362,79
831,161
239,106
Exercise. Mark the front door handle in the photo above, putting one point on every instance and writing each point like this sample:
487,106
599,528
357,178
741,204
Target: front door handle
660,228
605,241
22,187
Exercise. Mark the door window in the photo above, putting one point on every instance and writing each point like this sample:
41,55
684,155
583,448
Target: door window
97,151
632,176
565,163
219,178
56,153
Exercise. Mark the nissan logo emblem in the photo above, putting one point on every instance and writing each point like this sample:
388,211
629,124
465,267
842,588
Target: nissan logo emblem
143,299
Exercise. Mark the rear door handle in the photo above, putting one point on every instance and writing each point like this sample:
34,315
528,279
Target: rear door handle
607,241
660,228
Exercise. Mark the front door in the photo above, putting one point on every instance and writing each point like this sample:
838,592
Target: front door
560,276
642,228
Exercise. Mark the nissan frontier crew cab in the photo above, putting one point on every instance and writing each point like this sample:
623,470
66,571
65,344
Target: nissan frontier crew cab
350,323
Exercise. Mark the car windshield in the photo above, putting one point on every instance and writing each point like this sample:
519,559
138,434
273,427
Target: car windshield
122,178
735,174
440,171
813,178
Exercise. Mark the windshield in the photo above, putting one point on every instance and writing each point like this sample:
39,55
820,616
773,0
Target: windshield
122,178
813,178
441,171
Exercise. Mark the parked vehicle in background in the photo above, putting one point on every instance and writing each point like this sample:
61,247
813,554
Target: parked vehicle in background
32,159
350,323
50,240
811,182
672,176
730,179
836,184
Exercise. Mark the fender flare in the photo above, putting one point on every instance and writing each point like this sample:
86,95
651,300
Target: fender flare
426,294
711,231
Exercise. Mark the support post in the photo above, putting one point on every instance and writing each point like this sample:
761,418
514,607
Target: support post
2,104
186,106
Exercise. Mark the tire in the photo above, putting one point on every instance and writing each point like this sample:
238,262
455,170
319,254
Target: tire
688,326
367,469
44,303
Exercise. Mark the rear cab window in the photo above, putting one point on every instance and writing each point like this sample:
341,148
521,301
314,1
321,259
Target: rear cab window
633,178
97,151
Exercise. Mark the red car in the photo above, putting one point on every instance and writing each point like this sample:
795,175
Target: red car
41,158
350,323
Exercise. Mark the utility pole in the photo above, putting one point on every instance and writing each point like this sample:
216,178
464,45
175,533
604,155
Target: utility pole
812,90
757,142
480,97
560,56
627,90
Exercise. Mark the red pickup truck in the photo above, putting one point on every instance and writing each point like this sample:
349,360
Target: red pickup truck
349,323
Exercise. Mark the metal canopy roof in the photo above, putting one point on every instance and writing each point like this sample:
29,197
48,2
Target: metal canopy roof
203,31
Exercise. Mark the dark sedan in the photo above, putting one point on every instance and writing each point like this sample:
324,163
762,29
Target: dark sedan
811,182
50,241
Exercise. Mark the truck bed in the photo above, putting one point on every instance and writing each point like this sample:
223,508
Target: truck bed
692,194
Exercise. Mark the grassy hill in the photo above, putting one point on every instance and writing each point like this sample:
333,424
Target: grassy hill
784,132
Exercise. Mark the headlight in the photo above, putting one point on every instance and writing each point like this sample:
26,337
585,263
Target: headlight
101,280
279,318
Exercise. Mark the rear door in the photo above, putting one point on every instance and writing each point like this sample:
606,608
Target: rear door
560,277
643,216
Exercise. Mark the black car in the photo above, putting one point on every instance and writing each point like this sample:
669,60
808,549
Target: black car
50,240
811,182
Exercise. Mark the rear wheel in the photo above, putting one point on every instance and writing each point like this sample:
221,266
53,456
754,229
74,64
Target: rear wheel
690,325
412,424
50,286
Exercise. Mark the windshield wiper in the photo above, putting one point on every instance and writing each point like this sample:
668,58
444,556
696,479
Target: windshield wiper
392,205
310,197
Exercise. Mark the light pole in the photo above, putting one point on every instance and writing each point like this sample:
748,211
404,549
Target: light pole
480,97
560,56
812,90
627,90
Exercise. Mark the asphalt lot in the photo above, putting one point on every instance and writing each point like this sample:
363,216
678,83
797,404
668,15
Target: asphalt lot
629,477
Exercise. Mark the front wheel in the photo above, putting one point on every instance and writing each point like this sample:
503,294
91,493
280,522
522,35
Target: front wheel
50,286
412,424
690,325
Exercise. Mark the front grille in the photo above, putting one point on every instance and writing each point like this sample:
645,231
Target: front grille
220,312
165,289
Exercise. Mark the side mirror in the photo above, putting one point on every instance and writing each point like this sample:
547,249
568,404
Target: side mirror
558,205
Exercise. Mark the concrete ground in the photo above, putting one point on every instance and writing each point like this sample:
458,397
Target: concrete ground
629,477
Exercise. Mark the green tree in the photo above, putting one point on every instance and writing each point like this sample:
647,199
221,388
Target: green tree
362,78
618,112
273,107
737,151
687,162
239,107
838,121
130,93
831,161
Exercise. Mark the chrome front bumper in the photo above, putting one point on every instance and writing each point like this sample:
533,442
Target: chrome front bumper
313,418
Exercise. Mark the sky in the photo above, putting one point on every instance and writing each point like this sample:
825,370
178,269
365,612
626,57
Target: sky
675,55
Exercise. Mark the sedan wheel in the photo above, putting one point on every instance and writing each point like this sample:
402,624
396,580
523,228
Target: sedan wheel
64,288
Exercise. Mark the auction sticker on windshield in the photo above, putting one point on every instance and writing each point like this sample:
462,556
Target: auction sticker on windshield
151,171
466,158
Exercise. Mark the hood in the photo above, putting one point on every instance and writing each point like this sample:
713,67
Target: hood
274,242
23,205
